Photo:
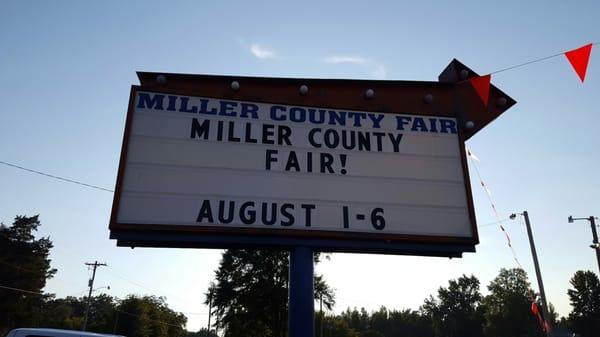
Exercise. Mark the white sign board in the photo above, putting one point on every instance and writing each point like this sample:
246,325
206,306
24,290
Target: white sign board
224,165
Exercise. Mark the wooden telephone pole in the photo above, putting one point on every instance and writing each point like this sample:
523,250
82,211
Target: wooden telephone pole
91,286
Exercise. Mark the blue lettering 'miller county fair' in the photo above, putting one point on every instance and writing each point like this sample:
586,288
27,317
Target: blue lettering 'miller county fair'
245,110
227,165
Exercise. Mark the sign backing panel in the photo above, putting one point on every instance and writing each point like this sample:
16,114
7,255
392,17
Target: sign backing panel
267,173
347,165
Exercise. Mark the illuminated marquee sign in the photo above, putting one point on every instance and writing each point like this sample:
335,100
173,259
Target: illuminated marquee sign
200,170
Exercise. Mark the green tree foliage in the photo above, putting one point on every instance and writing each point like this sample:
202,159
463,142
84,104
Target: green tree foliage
24,264
334,326
250,299
457,312
553,315
60,314
408,323
381,323
585,300
68,313
134,316
508,306
102,313
323,293
149,316
250,295
357,320
203,333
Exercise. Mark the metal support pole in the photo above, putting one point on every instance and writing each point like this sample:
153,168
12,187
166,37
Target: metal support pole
301,320
538,273
595,237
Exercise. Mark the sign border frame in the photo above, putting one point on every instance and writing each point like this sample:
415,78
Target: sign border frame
124,231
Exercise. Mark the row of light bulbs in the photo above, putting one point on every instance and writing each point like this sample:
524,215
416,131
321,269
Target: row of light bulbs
369,94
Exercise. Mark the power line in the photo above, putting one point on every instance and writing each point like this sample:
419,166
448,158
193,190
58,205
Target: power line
23,290
17,266
112,272
21,268
40,293
121,311
56,177
493,223
77,294
109,190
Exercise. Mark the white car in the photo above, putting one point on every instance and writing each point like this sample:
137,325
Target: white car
26,332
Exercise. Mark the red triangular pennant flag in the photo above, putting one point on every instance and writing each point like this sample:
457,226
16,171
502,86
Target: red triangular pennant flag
579,59
534,309
481,84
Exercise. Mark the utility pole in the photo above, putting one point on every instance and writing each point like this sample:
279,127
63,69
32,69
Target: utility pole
91,285
537,271
595,245
595,242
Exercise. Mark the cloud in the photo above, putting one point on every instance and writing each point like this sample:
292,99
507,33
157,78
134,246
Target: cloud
346,59
376,69
379,72
261,52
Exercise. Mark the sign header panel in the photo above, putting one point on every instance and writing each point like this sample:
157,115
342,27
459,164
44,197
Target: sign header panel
239,167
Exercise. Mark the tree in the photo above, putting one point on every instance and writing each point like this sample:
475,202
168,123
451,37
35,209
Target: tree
59,314
553,315
102,313
66,313
210,295
381,323
405,323
508,306
24,264
324,293
251,291
585,300
149,316
458,311
336,326
146,316
409,323
203,333
357,320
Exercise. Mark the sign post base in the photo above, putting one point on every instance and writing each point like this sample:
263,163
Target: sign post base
301,319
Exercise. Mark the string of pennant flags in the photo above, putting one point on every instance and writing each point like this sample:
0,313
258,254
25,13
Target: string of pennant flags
532,297
488,193
579,59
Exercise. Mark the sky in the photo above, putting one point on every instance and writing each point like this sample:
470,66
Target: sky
66,68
